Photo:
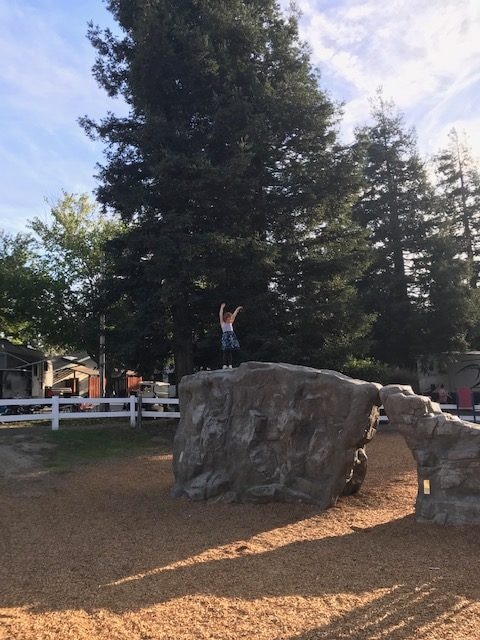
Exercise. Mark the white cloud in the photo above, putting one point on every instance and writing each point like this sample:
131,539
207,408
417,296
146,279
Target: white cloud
470,127
424,53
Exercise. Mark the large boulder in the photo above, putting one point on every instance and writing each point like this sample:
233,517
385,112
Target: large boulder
273,432
447,452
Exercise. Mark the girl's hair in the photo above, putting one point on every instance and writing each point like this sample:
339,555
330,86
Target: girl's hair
227,315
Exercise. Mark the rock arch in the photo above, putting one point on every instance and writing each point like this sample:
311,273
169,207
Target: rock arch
447,452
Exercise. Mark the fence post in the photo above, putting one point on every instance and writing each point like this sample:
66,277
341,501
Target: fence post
55,413
139,410
132,411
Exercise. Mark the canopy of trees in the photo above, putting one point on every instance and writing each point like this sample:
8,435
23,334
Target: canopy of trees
229,178
226,183
53,282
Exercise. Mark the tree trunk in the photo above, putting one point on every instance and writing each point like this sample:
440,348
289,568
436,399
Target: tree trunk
183,362
182,343
108,379
396,238
466,225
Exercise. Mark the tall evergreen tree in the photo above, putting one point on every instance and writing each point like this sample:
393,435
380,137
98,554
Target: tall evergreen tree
393,207
327,324
447,274
223,168
444,300
458,181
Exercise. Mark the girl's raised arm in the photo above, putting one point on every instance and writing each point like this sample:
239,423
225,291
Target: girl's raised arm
234,314
220,313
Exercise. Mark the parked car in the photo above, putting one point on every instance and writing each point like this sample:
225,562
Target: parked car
154,389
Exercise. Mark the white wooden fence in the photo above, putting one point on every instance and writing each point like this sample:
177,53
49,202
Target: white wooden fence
464,413
56,409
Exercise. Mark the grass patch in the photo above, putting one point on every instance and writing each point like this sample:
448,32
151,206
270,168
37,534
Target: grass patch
85,444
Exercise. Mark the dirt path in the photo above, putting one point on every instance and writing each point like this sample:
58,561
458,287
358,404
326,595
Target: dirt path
104,552
22,456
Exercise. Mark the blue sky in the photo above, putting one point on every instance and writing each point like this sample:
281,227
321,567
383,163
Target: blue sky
424,53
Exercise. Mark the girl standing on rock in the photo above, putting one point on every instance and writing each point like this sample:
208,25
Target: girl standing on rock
229,339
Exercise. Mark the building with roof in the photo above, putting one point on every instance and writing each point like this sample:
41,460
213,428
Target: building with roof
24,372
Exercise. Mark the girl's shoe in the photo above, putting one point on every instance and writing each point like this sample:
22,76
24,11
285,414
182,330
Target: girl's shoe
224,366
230,366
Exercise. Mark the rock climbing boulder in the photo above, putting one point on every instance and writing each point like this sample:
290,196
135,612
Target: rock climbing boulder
273,432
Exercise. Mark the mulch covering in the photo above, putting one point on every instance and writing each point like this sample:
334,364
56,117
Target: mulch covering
104,552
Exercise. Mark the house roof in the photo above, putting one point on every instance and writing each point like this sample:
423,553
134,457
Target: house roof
79,359
24,354
79,368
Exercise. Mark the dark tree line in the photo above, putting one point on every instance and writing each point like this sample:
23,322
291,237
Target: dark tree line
229,177
231,185
422,280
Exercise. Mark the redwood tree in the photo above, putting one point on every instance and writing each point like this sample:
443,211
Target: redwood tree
226,172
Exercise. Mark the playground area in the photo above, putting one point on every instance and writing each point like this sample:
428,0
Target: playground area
101,551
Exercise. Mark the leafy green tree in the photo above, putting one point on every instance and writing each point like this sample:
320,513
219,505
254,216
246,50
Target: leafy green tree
224,171
71,248
26,290
394,208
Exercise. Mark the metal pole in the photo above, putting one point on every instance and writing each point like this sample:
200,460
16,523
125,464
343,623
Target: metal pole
101,359
139,410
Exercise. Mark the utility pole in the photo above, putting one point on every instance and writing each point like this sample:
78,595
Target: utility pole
101,359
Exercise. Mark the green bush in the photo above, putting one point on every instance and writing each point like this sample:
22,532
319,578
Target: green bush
373,371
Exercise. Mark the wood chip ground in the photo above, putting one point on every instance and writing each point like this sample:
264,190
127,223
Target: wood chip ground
105,553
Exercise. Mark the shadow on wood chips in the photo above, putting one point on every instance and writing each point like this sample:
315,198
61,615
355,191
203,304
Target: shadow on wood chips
109,537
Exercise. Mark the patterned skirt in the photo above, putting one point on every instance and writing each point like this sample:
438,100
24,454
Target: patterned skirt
230,341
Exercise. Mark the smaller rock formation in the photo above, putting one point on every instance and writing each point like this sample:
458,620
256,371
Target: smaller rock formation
447,451
273,432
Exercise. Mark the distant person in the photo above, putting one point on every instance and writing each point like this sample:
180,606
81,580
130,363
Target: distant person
229,339
442,394
432,393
